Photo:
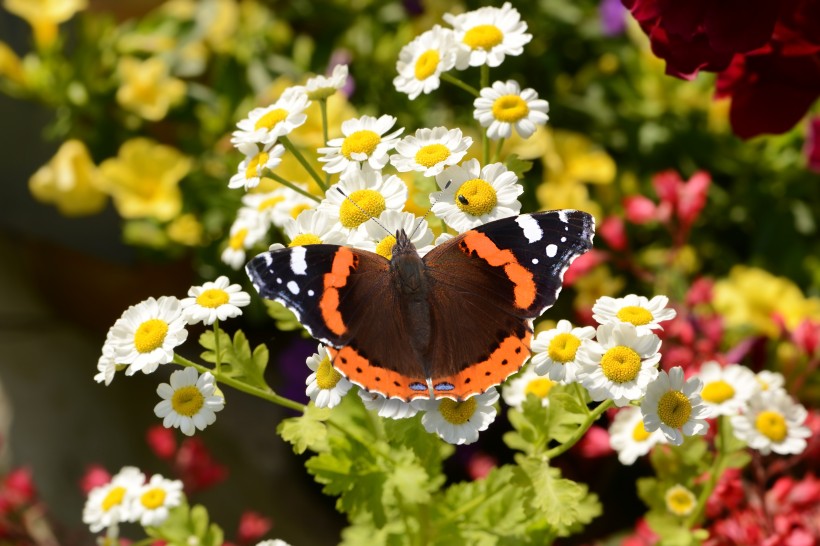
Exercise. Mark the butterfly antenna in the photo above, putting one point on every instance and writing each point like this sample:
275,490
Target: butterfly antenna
355,204
426,214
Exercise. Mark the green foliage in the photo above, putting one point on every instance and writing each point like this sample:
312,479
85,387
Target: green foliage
283,317
234,356
187,525
535,425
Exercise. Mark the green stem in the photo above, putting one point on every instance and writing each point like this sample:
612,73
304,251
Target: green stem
579,392
325,135
267,394
498,147
293,186
700,507
579,433
301,158
458,83
485,140
218,363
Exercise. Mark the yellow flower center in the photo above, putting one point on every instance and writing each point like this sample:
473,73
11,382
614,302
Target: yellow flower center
717,392
674,408
326,375
483,37
370,204
187,401
153,498
680,501
476,197
510,108
150,335
255,165
269,120
360,142
540,387
639,433
763,385
304,239
269,203
237,240
385,247
562,348
213,298
621,364
113,498
299,209
426,64
772,425
429,155
457,413
635,315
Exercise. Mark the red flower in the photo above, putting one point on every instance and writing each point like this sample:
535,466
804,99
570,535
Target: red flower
196,467
95,476
161,441
613,231
582,265
812,146
594,444
252,527
640,210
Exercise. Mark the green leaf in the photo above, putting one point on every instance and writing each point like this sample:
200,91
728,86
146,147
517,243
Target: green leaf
235,356
671,529
517,165
408,480
566,505
284,318
535,425
307,431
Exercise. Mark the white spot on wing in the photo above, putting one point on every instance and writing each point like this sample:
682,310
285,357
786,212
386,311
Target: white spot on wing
293,287
562,214
534,261
297,260
529,225
278,281
563,239
552,250
311,292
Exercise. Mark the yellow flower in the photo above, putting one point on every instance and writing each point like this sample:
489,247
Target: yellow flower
11,67
146,87
185,230
573,158
45,15
751,297
70,181
144,179
555,195
222,26
593,285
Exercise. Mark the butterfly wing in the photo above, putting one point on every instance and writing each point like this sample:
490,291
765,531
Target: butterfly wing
487,285
345,299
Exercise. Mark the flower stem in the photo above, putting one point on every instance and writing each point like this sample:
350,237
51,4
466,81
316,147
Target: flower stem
485,140
293,186
458,83
301,158
325,135
579,433
268,394
499,145
700,507
218,362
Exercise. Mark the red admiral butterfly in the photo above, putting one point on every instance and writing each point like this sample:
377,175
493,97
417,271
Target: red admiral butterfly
451,324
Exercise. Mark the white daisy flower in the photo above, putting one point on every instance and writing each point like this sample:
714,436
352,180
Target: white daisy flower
381,238
422,61
265,125
314,227
768,380
487,35
325,386
246,231
189,402
154,499
620,364
430,150
726,389
504,106
773,422
680,501
675,406
106,365
458,422
629,437
111,503
364,195
256,161
554,352
525,382
472,196
645,314
321,87
274,542
390,408
276,207
365,143
214,300
145,335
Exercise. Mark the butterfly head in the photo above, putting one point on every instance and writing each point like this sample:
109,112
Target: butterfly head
403,245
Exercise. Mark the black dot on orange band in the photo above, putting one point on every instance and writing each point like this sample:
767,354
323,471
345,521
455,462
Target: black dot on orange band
396,383
504,362
358,370
344,360
378,378
517,350
466,380
487,373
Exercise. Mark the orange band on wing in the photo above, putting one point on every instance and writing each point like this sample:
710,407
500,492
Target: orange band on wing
343,262
522,279
360,371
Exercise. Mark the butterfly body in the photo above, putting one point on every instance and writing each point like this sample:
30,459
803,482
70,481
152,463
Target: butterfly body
450,324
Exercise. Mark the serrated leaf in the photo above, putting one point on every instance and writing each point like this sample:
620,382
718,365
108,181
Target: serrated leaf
427,447
517,165
283,317
566,505
536,425
307,431
408,481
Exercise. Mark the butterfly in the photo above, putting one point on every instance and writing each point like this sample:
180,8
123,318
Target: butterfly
450,324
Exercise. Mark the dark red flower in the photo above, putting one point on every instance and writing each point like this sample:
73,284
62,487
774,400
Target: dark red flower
252,527
812,146
161,441
196,466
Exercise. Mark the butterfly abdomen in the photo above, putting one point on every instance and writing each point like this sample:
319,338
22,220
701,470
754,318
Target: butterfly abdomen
410,277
